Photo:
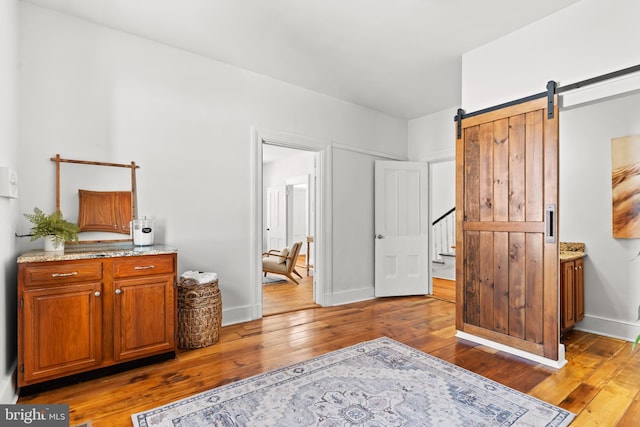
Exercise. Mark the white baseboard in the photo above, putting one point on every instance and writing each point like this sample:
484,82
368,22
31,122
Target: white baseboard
351,296
8,390
237,315
557,364
231,316
609,327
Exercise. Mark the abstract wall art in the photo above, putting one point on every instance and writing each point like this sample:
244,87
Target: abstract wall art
625,185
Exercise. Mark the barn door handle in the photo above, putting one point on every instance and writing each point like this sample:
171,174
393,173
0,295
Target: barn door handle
550,223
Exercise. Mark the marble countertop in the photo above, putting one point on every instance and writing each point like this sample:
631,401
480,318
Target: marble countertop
570,251
571,255
90,251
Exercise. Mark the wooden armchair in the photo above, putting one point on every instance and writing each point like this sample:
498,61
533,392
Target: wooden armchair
282,261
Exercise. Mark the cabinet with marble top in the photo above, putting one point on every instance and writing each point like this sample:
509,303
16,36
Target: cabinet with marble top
93,306
571,284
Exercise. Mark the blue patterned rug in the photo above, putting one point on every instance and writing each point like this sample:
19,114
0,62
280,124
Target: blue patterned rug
375,383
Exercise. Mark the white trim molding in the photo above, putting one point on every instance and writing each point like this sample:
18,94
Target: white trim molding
439,156
369,152
609,327
322,271
557,364
619,86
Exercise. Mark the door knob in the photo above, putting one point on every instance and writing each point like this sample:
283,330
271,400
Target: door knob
379,236
97,293
118,291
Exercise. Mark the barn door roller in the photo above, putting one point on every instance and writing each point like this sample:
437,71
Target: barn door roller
459,118
551,91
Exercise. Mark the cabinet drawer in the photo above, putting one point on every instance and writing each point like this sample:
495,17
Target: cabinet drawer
143,265
62,273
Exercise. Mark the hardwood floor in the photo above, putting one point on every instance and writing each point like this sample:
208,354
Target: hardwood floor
601,382
287,296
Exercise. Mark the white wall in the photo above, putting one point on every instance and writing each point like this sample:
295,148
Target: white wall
8,207
88,92
353,232
443,188
585,40
276,174
612,272
432,137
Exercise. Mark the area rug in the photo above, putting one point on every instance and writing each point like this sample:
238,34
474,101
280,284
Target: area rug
271,279
375,383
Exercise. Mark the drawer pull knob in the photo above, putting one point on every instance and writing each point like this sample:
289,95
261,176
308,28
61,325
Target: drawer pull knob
118,291
73,273
144,267
97,293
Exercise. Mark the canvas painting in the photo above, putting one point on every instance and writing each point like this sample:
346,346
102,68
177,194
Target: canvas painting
625,183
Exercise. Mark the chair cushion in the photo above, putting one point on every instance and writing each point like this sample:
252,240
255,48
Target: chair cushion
283,254
272,265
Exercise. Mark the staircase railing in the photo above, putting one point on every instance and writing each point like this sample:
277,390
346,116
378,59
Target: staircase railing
443,234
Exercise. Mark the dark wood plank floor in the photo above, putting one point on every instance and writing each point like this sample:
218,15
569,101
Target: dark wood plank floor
601,383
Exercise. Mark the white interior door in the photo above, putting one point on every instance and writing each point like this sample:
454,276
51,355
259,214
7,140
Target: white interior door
401,229
276,217
297,215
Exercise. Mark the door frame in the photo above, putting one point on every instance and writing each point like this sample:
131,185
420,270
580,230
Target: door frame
435,157
322,238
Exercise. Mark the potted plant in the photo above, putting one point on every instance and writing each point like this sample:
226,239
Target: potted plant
53,228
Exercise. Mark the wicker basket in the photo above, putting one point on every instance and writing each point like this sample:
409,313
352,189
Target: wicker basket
199,313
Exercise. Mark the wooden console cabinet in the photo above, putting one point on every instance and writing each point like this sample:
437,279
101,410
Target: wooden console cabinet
77,315
571,293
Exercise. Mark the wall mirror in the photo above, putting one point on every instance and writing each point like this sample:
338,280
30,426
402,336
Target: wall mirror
100,197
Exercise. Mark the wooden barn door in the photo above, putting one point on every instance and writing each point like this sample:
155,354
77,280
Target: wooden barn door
506,249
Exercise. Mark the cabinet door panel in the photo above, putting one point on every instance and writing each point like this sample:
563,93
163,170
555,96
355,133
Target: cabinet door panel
96,212
123,211
143,316
63,333
567,288
104,211
579,289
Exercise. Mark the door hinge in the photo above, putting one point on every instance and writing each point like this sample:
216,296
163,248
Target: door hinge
21,302
22,368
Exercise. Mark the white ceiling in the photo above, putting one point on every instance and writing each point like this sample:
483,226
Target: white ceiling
401,57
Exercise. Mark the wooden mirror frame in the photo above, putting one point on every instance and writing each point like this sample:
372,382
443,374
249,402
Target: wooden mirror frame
58,160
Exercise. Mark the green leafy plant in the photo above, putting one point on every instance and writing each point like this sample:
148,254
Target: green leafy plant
52,225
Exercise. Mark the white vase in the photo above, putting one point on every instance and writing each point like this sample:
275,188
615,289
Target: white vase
51,246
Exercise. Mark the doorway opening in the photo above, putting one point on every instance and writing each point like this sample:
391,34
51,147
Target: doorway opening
442,190
289,225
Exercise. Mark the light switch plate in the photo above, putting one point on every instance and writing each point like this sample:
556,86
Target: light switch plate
8,183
